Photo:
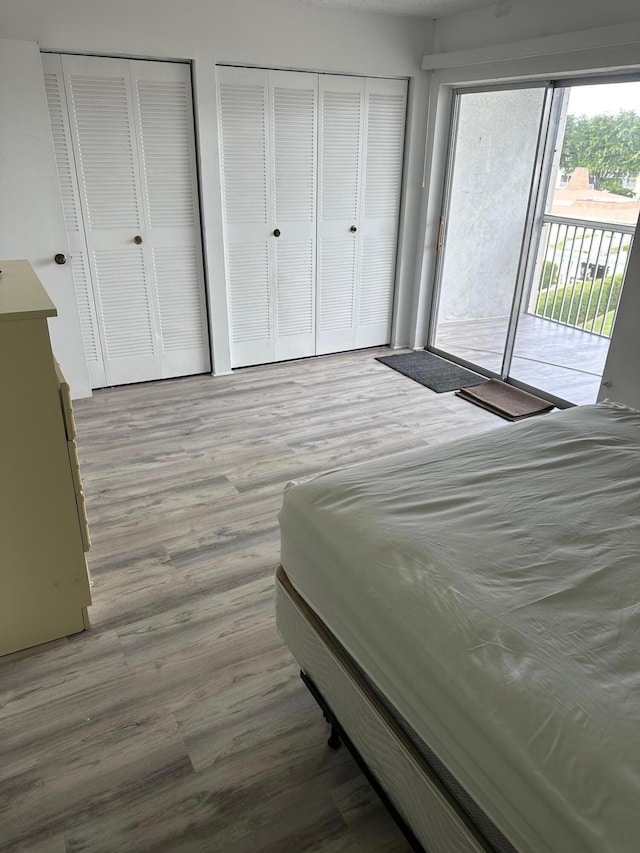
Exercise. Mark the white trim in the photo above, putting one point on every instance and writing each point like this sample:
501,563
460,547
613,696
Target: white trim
561,43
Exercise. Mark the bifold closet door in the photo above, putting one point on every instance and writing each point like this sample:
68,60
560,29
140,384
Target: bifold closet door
361,126
309,275
72,209
123,134
268,157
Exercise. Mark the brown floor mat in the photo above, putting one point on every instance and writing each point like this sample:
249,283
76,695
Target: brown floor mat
505,400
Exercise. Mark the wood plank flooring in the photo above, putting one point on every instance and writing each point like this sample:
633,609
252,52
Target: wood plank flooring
178,721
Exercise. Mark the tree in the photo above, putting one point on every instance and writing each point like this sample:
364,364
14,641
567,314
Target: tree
608,146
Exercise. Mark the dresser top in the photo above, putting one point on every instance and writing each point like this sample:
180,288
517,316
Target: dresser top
22,296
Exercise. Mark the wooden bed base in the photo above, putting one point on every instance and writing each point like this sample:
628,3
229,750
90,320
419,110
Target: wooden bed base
426,810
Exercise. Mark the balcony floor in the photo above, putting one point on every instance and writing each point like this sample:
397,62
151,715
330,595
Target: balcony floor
557,359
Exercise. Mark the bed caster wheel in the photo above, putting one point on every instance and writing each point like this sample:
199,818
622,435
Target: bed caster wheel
334,739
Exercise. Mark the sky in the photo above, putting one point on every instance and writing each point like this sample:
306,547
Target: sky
605,98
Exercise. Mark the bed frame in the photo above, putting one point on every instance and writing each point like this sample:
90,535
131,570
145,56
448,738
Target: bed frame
338,737
424,807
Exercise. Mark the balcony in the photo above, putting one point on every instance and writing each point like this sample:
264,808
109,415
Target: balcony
559,359
563,332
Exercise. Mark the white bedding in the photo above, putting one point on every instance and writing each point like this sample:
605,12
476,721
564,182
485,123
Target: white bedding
490,588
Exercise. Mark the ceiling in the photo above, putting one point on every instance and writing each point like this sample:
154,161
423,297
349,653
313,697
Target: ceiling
415,8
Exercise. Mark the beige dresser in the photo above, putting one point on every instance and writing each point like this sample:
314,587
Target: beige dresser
44,584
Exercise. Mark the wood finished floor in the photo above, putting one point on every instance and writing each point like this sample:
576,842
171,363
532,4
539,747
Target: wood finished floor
178,722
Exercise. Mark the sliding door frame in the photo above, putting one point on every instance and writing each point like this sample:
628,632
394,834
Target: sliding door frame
607,54
544,139
545,164
538,191
550,158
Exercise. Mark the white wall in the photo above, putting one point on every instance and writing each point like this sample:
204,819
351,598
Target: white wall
270,33
497,134
31,220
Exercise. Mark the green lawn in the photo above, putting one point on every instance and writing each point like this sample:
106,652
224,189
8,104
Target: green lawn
602,328
587,307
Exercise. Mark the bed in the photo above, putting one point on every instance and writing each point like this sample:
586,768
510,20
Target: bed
468,615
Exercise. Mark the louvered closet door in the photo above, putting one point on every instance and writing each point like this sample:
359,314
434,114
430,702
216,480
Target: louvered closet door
268,143
341,144
163,115
361,147
385,110
79,257
244,141
106,152
293,135
123,133
282,133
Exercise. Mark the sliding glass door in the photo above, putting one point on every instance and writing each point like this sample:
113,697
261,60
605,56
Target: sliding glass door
494,149
540,207
584,232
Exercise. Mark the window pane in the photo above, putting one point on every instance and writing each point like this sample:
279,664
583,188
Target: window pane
569,308
492,169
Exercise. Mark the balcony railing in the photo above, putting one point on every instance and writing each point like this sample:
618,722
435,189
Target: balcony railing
579,274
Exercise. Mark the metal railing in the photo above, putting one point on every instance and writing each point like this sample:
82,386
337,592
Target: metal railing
579,273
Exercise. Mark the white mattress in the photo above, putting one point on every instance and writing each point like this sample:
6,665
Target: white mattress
490,588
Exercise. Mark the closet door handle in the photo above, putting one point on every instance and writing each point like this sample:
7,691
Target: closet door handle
353,229
276,233
60,258
137,239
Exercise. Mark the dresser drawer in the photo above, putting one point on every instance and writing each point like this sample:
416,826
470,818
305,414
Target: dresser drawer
84,522
74,462
65,402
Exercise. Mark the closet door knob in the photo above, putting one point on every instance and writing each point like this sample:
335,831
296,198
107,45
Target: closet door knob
353,229
276,233
137,239
60,258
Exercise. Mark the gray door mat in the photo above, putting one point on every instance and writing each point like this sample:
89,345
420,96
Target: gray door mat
432,371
